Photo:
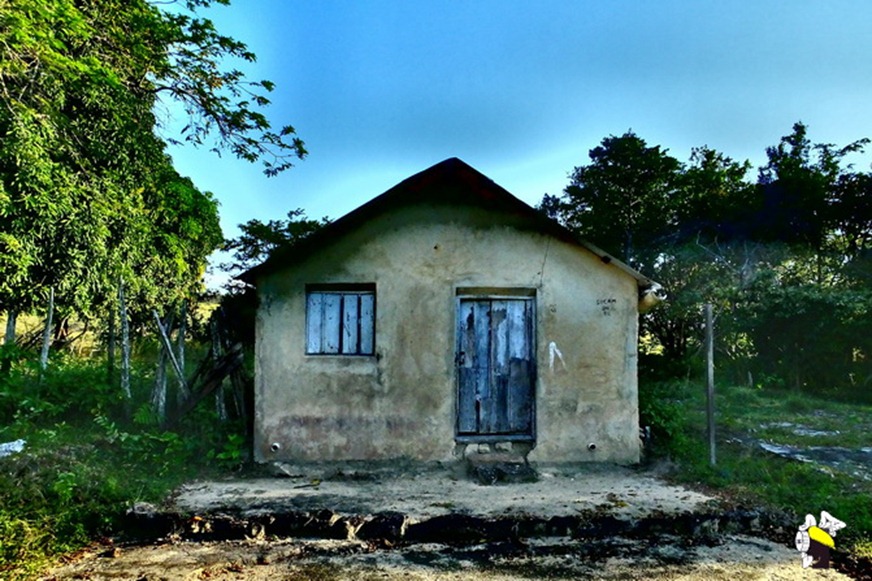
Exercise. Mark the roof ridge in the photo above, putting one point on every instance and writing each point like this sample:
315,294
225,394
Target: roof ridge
448,171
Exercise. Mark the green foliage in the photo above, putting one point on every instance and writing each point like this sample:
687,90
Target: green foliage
68,389
662,411
621,199
785,260
26,543
83,465
814,337
233,453
712,198
258,240
87,192
797,188
255,244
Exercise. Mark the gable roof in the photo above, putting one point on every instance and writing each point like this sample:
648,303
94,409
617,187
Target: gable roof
449,181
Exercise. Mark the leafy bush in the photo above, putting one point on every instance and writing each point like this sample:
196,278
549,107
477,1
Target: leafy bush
662,409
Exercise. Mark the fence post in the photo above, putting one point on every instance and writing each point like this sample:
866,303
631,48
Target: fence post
710,380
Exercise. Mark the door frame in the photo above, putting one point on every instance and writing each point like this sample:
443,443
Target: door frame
496,293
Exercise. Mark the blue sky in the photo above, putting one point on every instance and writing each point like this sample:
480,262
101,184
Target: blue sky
522,90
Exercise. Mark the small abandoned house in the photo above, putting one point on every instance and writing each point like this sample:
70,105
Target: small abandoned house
446,312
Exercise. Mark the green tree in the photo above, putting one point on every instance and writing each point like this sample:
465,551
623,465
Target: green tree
786,260
621,200
798,187
706,258
811,337
87,192
260,239
852,212
256,242
714,199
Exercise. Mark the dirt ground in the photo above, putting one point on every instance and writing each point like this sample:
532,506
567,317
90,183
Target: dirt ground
738,558
628,495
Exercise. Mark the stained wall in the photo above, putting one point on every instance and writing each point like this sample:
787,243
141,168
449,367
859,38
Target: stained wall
401,402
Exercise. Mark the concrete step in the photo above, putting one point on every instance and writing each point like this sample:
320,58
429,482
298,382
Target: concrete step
410,502
145,523
499,468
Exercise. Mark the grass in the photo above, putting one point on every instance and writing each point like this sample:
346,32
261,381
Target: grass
783,417
753,477
85,463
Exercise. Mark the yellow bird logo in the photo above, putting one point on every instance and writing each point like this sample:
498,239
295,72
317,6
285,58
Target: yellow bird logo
814,540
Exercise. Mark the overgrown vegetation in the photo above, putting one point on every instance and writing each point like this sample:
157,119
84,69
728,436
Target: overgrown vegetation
786,261
86,461
748,474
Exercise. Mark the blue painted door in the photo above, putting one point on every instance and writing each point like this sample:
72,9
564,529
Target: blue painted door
495,367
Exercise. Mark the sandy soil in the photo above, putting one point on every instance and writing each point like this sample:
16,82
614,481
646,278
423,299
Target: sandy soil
738,558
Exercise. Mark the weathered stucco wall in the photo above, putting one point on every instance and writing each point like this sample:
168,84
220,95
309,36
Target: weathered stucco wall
401,402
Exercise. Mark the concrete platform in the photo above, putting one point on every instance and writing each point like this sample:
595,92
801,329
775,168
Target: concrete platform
422,503
425,491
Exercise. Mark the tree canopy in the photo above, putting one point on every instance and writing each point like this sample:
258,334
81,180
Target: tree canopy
259,239
88,194
787,258
618,199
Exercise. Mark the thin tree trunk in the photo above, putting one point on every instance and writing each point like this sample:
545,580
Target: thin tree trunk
220,403
125,344
110,348
11,318
9,340
183,393
159,391
46,333
165,339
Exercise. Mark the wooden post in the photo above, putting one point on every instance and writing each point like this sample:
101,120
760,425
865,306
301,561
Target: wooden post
710,380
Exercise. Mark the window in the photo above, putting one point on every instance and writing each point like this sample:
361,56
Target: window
340,320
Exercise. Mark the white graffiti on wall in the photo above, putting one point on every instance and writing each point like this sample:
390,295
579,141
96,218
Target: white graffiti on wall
554,352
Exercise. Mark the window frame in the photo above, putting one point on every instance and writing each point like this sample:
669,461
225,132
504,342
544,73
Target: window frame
353,303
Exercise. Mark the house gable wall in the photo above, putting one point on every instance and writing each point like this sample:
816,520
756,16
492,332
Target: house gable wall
402,400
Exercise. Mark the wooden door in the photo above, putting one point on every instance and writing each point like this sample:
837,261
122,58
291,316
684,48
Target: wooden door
495,368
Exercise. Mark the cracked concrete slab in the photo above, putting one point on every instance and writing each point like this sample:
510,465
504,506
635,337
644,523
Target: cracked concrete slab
426,492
